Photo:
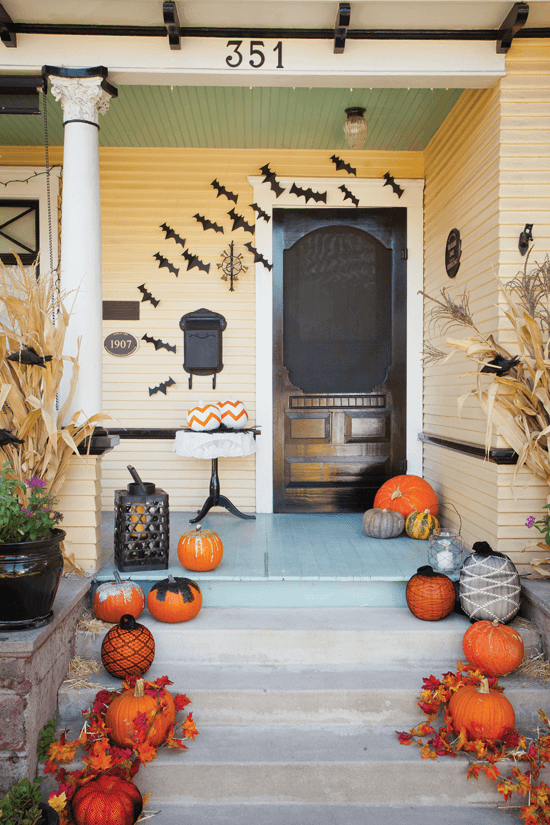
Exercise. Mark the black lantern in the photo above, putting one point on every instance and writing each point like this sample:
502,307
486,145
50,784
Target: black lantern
142,527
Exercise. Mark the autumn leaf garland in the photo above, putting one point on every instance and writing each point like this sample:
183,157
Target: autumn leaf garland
101,754
484,754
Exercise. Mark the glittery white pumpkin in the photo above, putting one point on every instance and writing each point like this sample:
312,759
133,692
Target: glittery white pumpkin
233,413
204,417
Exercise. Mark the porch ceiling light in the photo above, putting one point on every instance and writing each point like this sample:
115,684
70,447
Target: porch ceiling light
355,127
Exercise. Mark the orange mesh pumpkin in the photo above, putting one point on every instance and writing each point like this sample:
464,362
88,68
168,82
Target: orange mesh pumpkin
200,549
484,713
107,800
174,599
493,648
407,494
430,596
128,649
159,711
112,600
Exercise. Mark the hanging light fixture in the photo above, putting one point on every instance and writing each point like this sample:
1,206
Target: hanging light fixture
355,127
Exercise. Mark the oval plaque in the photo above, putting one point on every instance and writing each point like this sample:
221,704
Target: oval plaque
120,344
453,250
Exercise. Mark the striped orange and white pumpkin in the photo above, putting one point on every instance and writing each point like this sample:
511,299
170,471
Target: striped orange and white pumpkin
233,413
204,417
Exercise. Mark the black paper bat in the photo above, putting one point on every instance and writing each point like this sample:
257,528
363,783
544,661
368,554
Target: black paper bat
223,191
147,296
348,196
258,257
260,212
308,194
165,262
8,438
395,186
269,177
158,343
161,387
206,224
171,234
239,221
501,365
194,261
341,164
30,357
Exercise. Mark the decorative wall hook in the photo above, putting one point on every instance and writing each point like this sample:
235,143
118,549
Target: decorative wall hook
525,237
231,265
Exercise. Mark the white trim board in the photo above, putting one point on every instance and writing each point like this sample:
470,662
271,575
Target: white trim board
372,193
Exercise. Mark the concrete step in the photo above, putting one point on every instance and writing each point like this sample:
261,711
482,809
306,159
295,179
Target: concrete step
305,636
296,814
306,695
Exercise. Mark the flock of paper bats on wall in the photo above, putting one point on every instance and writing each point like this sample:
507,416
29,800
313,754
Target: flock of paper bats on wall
240,223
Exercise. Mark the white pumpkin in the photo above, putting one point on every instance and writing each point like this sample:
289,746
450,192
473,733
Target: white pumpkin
233,414
204,417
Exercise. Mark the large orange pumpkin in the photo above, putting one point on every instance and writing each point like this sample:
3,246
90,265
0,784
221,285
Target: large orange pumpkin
407,494
493,648
174,599
159,710
107,800
483,712
112,600
128,649
430,596
200,549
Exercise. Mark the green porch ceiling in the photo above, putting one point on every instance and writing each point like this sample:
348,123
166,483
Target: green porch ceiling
243,118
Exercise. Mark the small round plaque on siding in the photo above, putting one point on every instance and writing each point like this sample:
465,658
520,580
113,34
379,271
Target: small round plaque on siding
120,344
453,250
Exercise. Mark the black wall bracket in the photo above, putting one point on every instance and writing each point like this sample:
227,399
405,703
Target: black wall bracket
514,21
172,23
7,32
525,237
341,27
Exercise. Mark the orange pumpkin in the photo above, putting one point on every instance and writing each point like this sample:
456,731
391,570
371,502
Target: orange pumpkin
483,712
112,600
107,800
200,549
430,596
128,649
407,494
174,599
493,648
159,710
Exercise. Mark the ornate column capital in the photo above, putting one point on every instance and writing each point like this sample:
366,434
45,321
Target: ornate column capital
82,98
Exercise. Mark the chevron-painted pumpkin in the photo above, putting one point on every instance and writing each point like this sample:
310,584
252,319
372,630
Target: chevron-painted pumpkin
204,417
233,413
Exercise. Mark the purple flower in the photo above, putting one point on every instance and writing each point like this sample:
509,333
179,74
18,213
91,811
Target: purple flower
530,521
35,482
26,511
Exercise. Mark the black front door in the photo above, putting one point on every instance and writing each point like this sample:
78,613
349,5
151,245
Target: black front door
339,280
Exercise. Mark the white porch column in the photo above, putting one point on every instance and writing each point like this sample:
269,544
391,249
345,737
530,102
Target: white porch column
84,94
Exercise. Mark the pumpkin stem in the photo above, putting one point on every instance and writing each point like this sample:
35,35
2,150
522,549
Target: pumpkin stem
118,580
198,528
171,579
138,692
495,622
396,494
484,686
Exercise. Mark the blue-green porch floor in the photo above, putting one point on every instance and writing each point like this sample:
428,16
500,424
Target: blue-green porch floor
290,560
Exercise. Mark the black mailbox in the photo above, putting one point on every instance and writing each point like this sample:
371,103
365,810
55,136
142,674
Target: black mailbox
202,343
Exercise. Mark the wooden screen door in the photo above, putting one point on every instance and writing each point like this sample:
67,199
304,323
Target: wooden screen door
339,280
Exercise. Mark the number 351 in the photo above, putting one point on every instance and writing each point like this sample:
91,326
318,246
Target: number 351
257,57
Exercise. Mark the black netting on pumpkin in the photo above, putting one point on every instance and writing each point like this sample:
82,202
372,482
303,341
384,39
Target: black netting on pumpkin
177,585
128,652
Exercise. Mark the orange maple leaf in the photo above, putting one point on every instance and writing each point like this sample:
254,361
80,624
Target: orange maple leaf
99,759
462,739
188,728
145,752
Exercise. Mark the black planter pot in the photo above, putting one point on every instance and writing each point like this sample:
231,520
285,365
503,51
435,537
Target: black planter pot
49,815
29,577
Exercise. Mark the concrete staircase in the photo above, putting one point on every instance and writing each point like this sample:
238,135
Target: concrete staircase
297,712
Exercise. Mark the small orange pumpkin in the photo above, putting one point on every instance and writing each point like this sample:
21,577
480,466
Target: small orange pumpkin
484,713
407,494
112,600
200,549
430,596
493,648
159,710
128,649
174,599
107,800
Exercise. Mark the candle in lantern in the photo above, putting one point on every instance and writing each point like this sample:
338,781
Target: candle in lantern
445,559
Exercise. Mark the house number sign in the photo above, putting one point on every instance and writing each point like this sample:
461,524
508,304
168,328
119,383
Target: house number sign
254,52
453,250
120,344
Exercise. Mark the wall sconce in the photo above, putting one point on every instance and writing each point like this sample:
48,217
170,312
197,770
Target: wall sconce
525,237
355,127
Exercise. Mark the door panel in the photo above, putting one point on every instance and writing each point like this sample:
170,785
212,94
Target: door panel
339,356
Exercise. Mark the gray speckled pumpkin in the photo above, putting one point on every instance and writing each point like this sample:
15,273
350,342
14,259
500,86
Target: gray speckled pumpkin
383,524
